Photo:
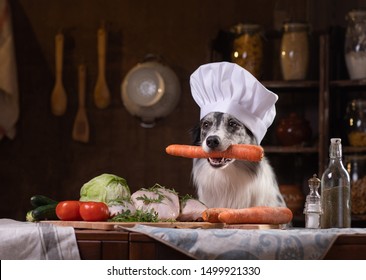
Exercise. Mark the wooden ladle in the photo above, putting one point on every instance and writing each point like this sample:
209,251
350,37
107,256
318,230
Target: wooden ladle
101,92
58,96
80,130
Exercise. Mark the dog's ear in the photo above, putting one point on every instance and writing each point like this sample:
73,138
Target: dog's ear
253,140
196,135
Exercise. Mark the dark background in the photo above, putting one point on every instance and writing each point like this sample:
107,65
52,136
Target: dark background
43,158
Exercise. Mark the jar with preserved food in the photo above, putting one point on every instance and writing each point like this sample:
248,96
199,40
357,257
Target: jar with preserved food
356,122
294,51
247,50
356,167
355,44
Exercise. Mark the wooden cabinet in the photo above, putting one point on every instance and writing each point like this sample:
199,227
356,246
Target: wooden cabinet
323,101
120,245
295,164
106,245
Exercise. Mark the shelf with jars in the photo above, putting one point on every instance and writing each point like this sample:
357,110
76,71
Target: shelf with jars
320,99
291,128
353,132
292,141
346,103
294,144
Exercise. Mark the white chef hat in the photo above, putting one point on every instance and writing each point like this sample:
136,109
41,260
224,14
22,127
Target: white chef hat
228,88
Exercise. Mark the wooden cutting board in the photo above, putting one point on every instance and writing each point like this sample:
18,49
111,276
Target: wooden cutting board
189,225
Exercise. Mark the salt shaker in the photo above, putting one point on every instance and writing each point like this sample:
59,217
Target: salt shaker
313,208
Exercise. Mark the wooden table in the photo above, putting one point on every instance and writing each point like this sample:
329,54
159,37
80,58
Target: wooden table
117,245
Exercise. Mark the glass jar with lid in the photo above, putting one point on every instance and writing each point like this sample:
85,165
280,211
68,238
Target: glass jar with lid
356,122
294,50
247,49
356,167
355,44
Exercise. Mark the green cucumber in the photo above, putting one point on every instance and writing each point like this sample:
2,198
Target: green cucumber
40,200
45,212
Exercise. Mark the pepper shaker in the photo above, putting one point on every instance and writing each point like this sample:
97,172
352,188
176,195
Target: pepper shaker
313,208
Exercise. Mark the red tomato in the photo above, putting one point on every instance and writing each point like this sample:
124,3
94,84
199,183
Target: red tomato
69,210
94,211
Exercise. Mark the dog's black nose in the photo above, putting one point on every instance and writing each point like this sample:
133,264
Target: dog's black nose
212,141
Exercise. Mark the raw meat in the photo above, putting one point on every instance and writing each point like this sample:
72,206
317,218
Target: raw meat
163,201
116,209
191,210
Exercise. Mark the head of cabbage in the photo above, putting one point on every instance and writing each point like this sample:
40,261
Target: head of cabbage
107,188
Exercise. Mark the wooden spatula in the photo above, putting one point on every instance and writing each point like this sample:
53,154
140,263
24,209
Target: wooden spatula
80,130
101,91
58,96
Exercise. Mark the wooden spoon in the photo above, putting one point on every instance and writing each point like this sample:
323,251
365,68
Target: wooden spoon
58,96
101,91
80,130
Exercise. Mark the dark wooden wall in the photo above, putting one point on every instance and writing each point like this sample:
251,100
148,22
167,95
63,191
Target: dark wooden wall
43,158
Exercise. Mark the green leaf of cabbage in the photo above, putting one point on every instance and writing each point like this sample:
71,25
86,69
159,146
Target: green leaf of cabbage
107,188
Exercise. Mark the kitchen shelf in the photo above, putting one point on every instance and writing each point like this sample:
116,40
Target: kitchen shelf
349,149
304,84
290,149
309,99
348,83
319,99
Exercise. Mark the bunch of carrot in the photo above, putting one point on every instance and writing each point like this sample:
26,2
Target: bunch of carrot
238,151
251,215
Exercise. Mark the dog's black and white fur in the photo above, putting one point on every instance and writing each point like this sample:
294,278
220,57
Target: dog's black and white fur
223,182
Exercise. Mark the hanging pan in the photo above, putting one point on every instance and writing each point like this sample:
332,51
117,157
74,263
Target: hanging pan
150,90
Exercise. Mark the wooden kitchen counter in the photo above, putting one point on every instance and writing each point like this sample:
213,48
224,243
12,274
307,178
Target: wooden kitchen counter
119,245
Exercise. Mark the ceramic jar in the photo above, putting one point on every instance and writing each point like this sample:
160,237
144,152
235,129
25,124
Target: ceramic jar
247,49
293,130
294,51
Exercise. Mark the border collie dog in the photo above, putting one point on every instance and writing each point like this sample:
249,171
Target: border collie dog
225,182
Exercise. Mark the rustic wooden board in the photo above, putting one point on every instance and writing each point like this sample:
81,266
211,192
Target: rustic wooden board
254,226
113,225
116,225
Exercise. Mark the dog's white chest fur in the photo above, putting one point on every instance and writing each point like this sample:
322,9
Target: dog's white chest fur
233,187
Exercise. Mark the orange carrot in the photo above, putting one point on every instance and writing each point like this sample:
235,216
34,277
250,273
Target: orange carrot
257,215
237,151
211,215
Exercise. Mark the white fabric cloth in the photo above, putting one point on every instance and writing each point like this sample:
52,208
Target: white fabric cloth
228,88
248,244
9,107
36,241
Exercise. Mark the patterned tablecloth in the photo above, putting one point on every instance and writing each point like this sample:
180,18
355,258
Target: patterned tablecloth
36,241
268,244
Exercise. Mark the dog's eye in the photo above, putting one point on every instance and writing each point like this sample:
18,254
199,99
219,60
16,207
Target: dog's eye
205,124
233,124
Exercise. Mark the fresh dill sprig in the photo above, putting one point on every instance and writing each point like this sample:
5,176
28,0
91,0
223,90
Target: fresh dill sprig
138,216
147,200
